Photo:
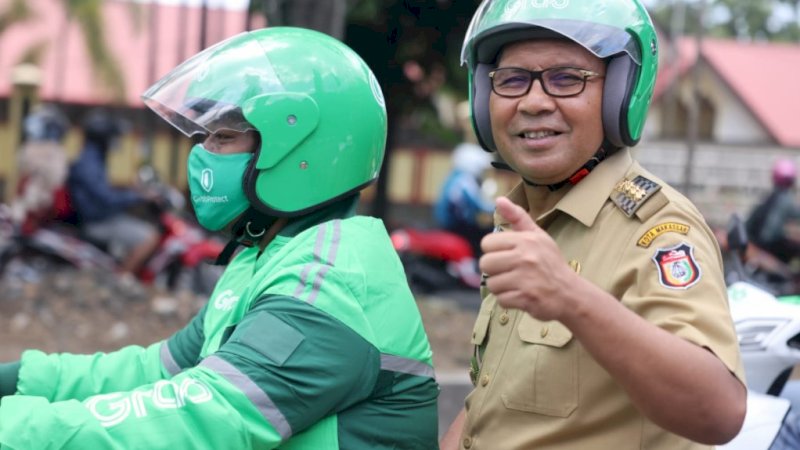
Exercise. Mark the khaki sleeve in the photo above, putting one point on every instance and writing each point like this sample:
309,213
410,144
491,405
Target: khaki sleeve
676,282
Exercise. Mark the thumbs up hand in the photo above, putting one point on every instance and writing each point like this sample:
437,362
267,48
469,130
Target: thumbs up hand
525,267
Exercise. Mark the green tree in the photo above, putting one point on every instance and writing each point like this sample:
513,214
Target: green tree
327,17
413,46
740,19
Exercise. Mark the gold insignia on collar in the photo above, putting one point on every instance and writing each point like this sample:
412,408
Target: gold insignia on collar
630,190
649,236
630,195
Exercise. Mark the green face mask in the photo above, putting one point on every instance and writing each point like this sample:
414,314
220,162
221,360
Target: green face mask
215,184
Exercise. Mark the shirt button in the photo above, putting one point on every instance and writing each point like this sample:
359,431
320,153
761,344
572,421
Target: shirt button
503,319
544,331
484,380
467,442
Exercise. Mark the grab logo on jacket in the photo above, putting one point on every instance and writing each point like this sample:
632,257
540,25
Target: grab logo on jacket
113,409
225,300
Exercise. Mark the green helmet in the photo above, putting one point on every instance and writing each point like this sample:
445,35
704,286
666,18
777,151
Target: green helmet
317,107
618,31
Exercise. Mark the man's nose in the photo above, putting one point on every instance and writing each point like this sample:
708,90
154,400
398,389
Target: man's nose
536,100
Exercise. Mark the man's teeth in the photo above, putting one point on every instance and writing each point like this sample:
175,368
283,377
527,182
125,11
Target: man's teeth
539,134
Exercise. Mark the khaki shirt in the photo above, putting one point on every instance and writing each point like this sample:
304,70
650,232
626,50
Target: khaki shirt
536,386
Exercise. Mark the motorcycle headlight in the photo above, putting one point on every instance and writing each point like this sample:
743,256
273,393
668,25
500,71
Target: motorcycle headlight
754,334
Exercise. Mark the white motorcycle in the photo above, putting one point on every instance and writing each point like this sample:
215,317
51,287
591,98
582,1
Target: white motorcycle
769,341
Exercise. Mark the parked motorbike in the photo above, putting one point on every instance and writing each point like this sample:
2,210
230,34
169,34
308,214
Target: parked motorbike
436,259
769,339
181,260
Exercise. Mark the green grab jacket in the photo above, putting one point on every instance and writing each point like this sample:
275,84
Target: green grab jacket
314,344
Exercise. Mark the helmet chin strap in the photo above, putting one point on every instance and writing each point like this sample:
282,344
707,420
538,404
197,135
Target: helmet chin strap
248,231
573,179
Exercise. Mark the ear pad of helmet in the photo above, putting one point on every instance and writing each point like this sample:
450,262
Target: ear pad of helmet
619,83
481,88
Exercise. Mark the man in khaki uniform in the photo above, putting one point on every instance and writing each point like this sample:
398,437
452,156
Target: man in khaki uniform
605,322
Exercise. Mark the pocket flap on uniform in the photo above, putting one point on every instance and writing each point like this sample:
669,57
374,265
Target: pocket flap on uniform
551,333
482,323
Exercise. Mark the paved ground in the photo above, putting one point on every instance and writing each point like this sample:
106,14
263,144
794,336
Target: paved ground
448,318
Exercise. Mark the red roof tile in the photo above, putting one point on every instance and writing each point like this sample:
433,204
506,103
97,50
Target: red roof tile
67,73
764,76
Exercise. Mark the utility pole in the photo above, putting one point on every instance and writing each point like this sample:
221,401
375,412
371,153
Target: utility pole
204,25
692,127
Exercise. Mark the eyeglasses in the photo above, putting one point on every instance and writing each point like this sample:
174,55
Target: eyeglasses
556,82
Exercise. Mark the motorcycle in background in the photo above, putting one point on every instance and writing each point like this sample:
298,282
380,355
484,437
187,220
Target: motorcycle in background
769,340
181,260
436,259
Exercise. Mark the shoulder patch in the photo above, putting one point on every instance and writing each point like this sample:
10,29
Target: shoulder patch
630,195
677,268
667,227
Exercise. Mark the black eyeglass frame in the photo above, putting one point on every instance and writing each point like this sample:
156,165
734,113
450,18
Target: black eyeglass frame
539,75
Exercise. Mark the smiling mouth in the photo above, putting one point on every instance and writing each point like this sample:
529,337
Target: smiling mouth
539,134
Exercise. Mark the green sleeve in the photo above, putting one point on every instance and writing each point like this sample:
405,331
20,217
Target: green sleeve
183,348
286,367
9,375
64,376
69,376
306,362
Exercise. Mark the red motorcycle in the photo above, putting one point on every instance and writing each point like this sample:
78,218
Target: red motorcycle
436,259
41,240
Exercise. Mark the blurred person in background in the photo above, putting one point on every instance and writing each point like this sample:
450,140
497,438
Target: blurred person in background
605,321
462,206
43,168
774,223
311,338
103,212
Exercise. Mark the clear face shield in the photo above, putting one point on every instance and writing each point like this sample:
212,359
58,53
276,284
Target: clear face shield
205,94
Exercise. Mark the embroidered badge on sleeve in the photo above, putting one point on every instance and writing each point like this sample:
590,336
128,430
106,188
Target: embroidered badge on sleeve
677,268
668,227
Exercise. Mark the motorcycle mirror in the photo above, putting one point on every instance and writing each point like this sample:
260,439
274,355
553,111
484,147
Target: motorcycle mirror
146,174
737,235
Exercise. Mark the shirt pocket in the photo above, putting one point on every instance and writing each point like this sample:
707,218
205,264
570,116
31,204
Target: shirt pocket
543,376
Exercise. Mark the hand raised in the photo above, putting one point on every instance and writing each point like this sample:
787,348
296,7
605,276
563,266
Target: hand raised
525,268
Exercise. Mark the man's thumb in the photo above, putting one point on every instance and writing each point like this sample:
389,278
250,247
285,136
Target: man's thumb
517,217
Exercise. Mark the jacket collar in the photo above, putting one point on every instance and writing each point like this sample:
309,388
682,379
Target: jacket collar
584,200
341,209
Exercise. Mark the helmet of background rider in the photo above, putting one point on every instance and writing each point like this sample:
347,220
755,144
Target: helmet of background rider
45,123
103,128
784,173
317,107
617,31
471,158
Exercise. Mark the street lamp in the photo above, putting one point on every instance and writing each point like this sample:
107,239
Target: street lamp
25,81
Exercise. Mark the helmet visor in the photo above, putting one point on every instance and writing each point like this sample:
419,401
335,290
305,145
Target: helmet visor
205,93
589,24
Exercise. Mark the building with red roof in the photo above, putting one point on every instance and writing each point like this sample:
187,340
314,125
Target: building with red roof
46,59
745,93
